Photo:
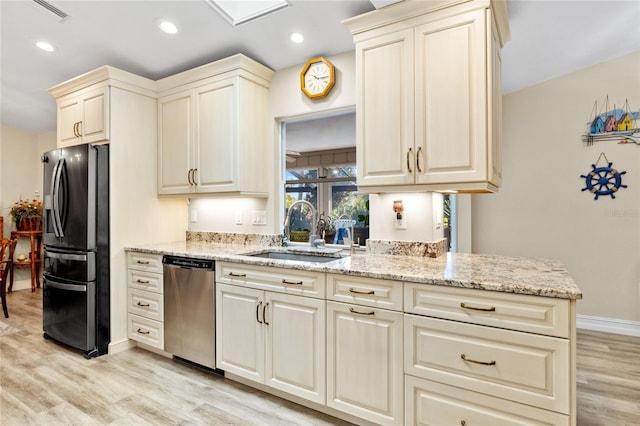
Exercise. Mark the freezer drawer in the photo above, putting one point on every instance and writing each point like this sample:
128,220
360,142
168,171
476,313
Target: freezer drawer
73,266
69,313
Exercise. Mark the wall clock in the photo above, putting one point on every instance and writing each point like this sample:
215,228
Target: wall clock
317,78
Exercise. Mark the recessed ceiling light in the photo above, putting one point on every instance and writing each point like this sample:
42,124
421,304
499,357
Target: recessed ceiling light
296,37
46,46
167,26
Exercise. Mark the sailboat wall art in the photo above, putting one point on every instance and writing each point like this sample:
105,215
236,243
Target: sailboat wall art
619,124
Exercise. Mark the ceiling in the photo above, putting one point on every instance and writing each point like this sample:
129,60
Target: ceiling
548,39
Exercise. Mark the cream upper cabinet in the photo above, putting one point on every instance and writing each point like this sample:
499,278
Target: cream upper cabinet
428,96
212,134
83,117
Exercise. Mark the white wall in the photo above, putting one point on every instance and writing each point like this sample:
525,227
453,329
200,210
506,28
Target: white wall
422,214
541,211
21,178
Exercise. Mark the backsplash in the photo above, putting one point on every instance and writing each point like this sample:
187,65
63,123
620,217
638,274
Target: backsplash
234,238
408,248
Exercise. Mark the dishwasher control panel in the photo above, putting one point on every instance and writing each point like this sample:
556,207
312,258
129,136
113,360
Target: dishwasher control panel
184,262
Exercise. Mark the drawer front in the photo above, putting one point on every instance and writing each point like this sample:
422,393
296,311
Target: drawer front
522,367
372,292
148,281
146,304
542,315
431,403
144,261
146,331
282,280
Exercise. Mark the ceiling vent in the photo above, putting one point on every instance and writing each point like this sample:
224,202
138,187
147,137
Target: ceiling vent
62,16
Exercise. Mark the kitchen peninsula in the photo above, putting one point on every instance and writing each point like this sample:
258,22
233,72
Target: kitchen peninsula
392,339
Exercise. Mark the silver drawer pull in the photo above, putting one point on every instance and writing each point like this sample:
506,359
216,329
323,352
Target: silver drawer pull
142,281
292,282
464,358
141,331
233,274
353,311
475,308
143,262
354,291
143,305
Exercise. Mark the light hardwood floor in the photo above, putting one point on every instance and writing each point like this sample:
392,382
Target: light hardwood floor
44,383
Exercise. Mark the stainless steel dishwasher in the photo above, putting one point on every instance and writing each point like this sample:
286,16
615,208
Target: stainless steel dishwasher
189,317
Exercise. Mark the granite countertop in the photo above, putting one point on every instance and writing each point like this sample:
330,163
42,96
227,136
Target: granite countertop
522,275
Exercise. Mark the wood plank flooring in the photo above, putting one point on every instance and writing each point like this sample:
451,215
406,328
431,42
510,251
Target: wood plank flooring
44,383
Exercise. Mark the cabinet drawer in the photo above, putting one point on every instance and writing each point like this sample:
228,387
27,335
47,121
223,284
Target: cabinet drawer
146,304
291,281
431,403
542,315
148,281
522,367
144,262
146,331
365,291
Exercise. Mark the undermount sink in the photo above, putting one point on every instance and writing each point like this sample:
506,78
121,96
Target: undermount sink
300,257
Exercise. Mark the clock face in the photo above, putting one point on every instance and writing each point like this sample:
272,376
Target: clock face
317,78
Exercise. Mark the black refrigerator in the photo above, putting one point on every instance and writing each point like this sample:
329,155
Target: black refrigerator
75,299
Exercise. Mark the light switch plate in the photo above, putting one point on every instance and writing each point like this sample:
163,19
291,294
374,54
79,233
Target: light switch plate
258,217
238,217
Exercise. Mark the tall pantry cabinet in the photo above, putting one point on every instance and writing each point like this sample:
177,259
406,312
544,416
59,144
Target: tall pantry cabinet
428,95
124,106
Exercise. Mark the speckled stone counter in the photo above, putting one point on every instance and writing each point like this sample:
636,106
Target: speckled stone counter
538,277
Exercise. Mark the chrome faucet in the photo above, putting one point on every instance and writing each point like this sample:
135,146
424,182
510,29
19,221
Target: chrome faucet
314,239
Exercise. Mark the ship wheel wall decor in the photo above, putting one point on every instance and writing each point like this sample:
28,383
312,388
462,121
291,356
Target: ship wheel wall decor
603,180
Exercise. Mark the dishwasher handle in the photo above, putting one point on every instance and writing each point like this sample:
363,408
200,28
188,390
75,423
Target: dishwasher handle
188,263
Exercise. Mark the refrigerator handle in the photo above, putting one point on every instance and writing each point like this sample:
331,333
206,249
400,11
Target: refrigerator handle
65,256
55,193
62,286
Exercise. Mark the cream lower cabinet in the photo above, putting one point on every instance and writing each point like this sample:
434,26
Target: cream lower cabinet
272,338
488,358
364,362
145,303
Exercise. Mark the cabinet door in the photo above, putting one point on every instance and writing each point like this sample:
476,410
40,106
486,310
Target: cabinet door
216,135
94,126
384,99
295,345
364,362
175,144
240,331
69,114
451,100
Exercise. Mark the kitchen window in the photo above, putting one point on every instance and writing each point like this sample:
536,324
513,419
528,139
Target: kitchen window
332,190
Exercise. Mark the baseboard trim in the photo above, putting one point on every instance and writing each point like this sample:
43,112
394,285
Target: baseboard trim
609,325
121,346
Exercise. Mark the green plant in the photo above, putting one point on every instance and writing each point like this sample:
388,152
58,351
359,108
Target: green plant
364,217
26,209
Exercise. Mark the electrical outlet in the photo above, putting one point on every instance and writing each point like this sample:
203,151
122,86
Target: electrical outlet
401,223
194,216
238,217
